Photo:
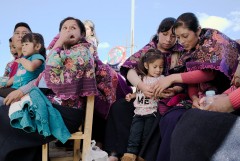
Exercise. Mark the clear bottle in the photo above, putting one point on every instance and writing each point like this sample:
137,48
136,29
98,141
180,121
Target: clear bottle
214,58
209,97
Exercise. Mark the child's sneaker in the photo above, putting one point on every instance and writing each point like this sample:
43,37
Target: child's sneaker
129,157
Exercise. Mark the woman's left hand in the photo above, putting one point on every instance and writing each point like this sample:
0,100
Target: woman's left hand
161,85
195,102
236,77
221,103
13,97
167,93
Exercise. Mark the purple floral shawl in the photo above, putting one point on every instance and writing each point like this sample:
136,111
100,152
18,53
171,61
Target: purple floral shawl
108,84
71,74
131,62
214,51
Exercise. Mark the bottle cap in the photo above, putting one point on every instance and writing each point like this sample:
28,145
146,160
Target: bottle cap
210,93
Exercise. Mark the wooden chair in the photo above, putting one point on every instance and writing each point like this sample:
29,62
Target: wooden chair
85,135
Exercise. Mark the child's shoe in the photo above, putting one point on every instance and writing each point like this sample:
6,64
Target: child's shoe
129,157
140,158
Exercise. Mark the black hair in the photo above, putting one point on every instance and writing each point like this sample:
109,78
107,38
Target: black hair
80,25
22,24
165,25
149,57
188,20
35,38
10,39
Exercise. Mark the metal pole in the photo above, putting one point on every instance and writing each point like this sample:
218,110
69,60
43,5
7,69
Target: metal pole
132,26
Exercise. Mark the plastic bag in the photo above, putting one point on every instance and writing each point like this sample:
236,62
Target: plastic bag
96,154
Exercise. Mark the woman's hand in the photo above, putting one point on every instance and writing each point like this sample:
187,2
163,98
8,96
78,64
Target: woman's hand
196,102
236,77
167,93
53,42
13,97
146,90
221,103
161,85
64,38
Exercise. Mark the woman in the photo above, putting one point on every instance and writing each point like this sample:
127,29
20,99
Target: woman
19,31
109,83
221,127
17,144
121,113
111,86
219,140
209,56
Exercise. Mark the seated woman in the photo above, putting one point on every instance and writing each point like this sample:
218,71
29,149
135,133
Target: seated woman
20,29
210,58
117,130
30,65
111,85
219,140
69,64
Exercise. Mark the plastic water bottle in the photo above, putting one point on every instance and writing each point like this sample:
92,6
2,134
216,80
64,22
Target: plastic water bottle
214,58
209,97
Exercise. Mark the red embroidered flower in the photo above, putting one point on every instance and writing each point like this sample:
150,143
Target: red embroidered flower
55,80
219,38
103,73
68,63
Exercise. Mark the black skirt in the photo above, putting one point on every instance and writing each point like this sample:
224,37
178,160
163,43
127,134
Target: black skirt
204,135
118,129
17,145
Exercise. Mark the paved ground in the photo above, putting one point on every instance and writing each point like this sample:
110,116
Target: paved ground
55,152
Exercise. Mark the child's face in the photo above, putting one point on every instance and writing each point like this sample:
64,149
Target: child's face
155,68
71,32
12,49
88,31
28,48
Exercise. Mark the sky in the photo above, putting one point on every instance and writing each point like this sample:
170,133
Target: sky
112,19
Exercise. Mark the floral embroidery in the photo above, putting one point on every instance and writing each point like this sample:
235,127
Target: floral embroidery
213,45
65,66
70,74
131,62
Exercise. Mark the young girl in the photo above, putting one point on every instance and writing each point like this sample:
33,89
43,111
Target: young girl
69,66
14,54
150,69
91,36
4,79
30,65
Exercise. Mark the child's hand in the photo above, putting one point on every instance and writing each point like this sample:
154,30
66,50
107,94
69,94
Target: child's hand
128,97
19,60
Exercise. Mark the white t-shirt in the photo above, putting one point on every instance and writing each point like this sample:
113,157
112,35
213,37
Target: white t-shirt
144,105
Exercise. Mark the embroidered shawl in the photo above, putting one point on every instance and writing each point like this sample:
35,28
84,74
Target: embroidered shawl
131,62
70,74
214,51
110,85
